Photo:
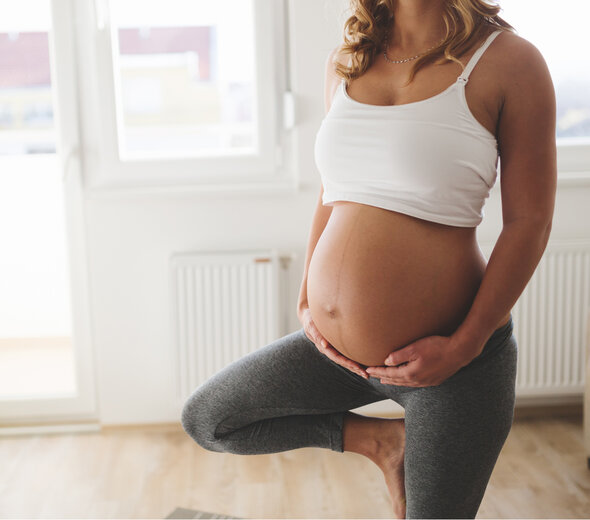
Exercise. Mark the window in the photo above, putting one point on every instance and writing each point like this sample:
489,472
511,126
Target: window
45,370
559,31
26,102
185,78
190,92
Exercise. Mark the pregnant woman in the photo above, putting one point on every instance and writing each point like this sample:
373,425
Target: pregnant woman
397,300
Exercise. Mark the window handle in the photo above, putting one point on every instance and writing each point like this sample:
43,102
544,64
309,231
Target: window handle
101,14
72,155
288,110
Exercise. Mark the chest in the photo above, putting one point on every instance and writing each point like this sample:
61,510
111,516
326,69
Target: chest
385,84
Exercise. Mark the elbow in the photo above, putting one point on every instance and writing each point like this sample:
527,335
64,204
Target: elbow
533,227
534,221
544,227
545,231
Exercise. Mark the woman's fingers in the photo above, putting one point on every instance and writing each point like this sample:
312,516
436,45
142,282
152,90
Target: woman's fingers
335,356
329,351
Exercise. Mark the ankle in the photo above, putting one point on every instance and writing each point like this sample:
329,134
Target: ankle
391,444
361,434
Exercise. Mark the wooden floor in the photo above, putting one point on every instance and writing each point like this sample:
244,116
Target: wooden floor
146,473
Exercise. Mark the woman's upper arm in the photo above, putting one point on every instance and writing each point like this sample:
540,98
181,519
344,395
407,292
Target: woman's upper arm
526,136
331,79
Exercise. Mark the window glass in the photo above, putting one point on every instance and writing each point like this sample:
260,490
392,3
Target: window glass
26,104
185,74
560,31
37,351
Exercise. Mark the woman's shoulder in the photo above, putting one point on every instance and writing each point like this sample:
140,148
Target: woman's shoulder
331,78
519,48
336,56
518,58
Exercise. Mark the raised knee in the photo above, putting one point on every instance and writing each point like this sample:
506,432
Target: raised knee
198,421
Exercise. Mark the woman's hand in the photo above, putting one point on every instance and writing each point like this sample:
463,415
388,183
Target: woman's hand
427,361
312,332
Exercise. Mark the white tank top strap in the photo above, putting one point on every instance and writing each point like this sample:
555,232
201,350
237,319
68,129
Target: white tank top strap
477,55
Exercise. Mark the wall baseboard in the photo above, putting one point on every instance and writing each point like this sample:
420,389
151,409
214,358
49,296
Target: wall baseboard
564,406
48,429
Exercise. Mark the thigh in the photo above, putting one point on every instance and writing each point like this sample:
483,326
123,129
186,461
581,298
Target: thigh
454,434
286,377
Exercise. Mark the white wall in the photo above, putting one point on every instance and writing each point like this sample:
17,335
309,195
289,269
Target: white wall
131,237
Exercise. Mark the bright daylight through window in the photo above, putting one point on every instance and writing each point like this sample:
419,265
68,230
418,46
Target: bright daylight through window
185,75
560,31
26,104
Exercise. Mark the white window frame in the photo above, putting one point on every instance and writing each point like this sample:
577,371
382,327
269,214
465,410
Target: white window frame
104,171
573,162
78,412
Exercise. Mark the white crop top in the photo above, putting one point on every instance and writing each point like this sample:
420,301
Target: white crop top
430,159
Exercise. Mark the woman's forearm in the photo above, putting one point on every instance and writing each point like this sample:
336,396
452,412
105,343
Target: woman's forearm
517,252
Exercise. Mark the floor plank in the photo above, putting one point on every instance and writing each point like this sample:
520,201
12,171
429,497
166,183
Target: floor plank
149,472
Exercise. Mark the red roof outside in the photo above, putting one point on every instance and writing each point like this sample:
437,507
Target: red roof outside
158,40
24,60
24,57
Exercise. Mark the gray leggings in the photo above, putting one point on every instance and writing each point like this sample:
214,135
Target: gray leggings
288,395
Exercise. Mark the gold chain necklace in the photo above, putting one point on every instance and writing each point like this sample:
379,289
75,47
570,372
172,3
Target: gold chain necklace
405,59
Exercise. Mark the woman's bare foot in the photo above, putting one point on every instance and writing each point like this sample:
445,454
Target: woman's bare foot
383,441
390,458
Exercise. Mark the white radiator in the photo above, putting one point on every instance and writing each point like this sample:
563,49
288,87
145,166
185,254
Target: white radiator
224,306
227,304
551,320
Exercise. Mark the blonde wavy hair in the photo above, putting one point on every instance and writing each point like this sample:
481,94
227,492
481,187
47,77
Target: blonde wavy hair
466,22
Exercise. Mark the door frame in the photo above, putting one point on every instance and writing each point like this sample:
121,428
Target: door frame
78,412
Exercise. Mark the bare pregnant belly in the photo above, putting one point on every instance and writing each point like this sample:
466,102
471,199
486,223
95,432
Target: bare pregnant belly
378,280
